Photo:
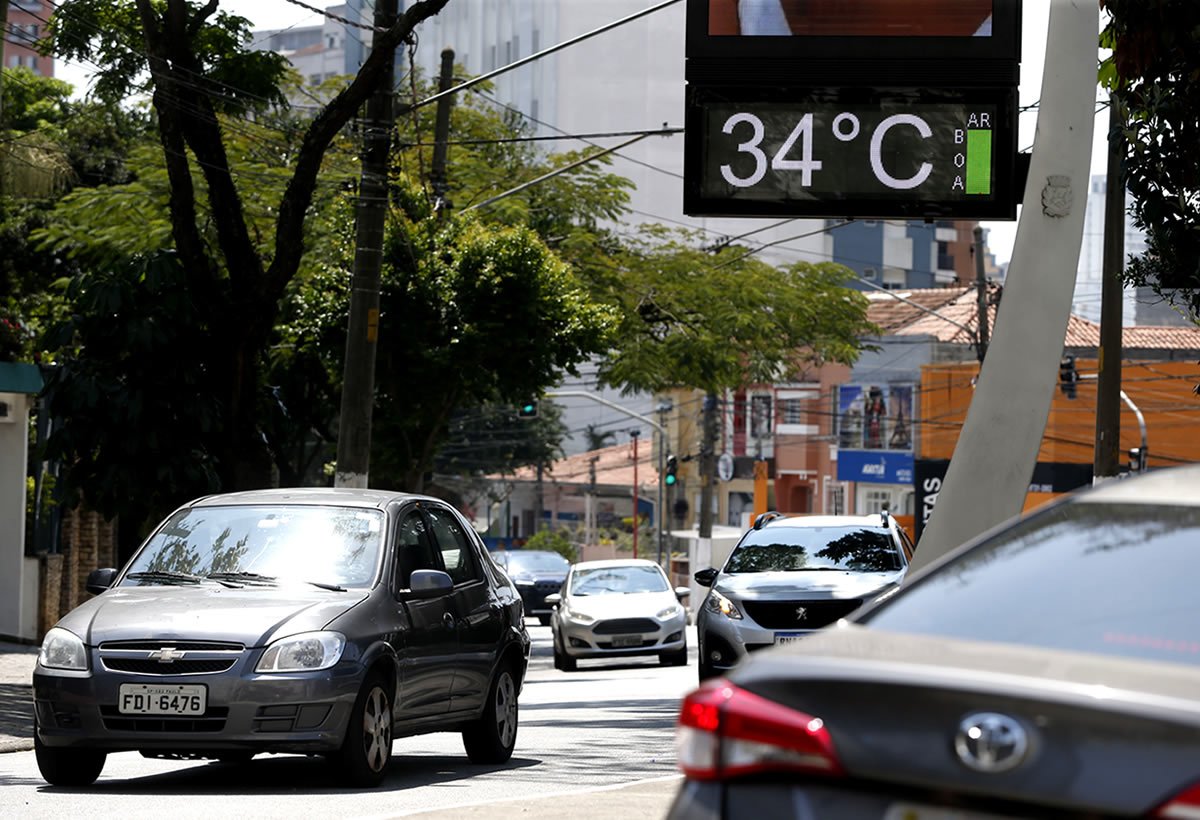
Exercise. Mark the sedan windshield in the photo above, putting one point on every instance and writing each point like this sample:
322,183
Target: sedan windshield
618,580
1116,579
264,545
536,561
785,549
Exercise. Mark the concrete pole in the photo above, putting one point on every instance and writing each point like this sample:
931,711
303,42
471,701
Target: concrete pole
1106,461
998,448
981,296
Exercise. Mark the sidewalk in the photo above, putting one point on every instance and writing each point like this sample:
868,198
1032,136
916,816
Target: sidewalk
16,696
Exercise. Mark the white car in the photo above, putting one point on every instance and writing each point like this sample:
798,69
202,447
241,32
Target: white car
618,608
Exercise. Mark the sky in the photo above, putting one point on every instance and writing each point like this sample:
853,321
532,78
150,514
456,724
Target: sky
274,14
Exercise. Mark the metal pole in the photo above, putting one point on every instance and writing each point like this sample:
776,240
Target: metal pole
635,433
981,296
1107,455
1144,453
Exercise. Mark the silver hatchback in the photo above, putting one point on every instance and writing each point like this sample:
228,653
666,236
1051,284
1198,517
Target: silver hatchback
790,576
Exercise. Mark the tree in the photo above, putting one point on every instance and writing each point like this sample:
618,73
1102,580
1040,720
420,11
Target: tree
1152,75
195,61
723,321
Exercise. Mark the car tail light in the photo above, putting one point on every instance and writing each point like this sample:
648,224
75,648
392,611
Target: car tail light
1185,805
727,732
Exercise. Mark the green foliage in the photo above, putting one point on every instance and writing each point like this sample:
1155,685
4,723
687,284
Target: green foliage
1154,75
553,541
726,320
488,438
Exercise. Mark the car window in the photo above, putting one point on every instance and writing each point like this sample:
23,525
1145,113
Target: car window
284,542
414,550
1116,579
839,548
454,545
617,580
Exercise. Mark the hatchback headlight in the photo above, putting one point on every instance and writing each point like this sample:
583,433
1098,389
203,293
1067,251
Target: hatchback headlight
63,650
670,612
579,617
718,603
306,652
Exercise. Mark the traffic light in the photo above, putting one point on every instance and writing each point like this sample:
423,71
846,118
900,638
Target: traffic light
672,465
528,410
1067,376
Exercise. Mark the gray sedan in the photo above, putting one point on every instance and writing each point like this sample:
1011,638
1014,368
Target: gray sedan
311,621
1051,668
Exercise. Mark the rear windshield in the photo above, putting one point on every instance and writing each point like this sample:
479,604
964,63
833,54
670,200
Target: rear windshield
1114,579
536,562
840,549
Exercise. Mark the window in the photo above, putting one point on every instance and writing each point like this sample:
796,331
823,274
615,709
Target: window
876,501
870,273
413,549
791,411
454,544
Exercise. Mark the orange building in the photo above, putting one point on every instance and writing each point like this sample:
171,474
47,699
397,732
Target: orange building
27,21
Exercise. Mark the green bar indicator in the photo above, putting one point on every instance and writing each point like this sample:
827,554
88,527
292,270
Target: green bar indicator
979,161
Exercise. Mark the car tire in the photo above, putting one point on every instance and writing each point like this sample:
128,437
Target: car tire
677,658
367,747
544,620
67,767
562,661
492,737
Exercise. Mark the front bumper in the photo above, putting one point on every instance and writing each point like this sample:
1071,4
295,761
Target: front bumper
624,637
725,641
245,711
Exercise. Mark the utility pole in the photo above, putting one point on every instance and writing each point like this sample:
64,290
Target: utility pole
3,40
981,296
358,372
441,137
1107,459
634,433
660,515
708,461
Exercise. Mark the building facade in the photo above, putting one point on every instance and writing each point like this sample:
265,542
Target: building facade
27,21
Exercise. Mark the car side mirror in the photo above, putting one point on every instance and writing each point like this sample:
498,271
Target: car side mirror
682,592
705,577
429,583
99,580
553,599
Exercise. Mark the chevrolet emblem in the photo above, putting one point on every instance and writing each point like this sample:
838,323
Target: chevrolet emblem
166,655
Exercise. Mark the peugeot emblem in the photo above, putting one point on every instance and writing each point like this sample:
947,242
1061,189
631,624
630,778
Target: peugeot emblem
990,742
166,655
801,613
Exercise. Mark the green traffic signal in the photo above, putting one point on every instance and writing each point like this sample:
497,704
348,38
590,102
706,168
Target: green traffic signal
528,410
672,466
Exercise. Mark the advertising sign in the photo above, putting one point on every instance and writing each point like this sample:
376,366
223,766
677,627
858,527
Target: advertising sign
875,439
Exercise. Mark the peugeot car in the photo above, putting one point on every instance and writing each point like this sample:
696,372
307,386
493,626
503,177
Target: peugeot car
789,576
311,621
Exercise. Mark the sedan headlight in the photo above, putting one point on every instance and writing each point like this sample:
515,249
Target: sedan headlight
63,650
670,612
306,652
718,603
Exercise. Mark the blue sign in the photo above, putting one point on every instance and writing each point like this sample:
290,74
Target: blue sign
875,466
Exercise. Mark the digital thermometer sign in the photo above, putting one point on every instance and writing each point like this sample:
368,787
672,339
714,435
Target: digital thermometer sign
841,153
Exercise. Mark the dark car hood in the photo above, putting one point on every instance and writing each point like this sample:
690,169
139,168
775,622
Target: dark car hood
253,616
767,586
553,575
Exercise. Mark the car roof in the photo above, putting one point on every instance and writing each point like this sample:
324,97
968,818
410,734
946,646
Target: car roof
331,496
614,562
873,520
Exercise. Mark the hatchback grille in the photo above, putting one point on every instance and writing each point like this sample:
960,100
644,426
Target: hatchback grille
151,667
547,587
622,626
799,614
181,646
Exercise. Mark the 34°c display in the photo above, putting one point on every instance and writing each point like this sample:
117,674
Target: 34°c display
830,153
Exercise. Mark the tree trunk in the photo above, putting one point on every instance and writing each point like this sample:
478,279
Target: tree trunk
708,464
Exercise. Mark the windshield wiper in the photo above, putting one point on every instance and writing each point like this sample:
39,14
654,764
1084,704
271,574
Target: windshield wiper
249,577
165,575
330,587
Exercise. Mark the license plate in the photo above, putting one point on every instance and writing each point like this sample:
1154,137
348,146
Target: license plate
162,699
788,637
627,640
914,811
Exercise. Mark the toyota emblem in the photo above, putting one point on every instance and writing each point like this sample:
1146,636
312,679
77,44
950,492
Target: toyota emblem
990,742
